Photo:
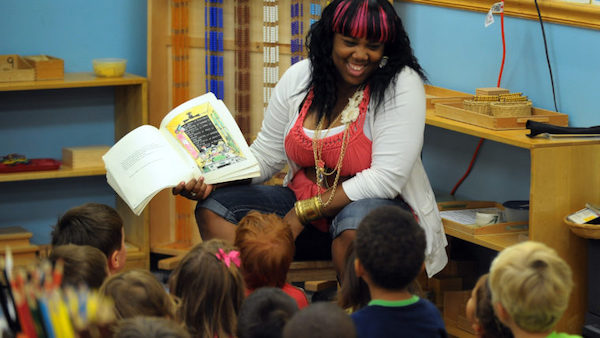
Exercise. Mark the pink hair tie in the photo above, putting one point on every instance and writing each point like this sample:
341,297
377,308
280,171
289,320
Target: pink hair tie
229,257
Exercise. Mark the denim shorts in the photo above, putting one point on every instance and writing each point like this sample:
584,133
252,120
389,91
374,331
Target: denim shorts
232,203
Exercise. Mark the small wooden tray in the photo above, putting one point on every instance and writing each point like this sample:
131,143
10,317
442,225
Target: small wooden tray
498,228
455,111
435,94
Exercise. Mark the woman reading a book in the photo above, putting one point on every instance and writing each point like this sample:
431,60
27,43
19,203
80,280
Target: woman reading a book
349,124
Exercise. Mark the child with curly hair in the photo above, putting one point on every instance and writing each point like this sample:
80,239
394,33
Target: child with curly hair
390,253
266,247
211,288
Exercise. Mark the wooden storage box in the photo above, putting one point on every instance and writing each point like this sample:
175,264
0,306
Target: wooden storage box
455,303
14,236
47,67
498,228
17,239
454,110
15,68
440,285
84,157
491,91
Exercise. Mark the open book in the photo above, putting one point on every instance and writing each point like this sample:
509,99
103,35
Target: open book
197,138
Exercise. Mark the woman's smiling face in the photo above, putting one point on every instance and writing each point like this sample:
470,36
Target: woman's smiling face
355,58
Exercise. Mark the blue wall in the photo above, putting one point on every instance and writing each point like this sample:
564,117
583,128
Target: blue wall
40,123
457,52
453,46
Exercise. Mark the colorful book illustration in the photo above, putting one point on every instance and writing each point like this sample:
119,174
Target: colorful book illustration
198,138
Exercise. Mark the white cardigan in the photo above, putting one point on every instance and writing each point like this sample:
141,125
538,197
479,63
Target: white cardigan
397,134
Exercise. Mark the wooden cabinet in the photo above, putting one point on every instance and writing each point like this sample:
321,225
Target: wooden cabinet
564,176
131,110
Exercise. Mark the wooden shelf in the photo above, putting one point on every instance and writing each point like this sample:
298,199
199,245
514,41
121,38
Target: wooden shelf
515,137
495,242
62,172
130,111
74,80
454,331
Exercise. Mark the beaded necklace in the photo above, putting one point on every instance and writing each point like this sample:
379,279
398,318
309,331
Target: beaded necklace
348,115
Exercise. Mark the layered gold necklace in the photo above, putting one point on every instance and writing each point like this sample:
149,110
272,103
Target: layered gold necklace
348,115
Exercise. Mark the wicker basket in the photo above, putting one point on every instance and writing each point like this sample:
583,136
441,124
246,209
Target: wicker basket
481,107
510,109
584,230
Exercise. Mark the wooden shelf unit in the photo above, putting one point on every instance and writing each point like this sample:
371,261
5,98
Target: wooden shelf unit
131,111
564,176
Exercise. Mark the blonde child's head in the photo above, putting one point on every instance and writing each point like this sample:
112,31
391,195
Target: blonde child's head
532,284
137,292
266,247
210,286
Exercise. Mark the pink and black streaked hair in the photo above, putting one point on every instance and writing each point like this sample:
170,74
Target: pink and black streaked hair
363,20
375,20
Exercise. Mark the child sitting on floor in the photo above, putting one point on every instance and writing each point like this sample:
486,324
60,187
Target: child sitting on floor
211,289
480,312
137,292
97,225
83,265
320,320
266,247
530,287
264,313
390,253
354,293
149,327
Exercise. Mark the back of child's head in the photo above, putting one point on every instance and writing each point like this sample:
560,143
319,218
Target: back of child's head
266,247
137,292
354,293
264,313
83,265
211,288
533,285
390,245
320,320
150,327
93,224
480,312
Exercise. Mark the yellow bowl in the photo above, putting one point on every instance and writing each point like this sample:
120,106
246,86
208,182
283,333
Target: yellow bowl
111,67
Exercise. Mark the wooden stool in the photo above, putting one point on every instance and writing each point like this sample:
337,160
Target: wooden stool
316,275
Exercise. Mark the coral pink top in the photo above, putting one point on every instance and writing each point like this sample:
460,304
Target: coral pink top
299,148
